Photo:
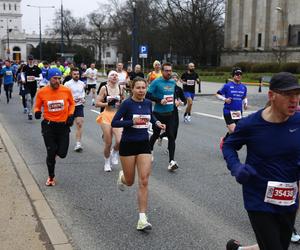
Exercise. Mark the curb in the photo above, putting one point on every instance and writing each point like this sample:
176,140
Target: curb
58,238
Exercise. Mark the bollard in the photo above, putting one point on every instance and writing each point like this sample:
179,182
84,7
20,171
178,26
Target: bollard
260,84
199,86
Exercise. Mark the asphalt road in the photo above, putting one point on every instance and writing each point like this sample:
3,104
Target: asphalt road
198,207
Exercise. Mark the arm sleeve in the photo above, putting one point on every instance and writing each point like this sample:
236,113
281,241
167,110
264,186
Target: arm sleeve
153,119
181,95
233,143
38,102
117,122
71,103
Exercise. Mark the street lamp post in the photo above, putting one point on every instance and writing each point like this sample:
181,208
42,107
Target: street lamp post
40,23
62,29
8,49
282,42
134,36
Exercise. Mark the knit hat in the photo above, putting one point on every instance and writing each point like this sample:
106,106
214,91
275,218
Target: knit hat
53,72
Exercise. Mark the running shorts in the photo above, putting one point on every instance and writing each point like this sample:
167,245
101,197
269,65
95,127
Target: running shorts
188,94
134,148
78,111
229,120
91,86
105,117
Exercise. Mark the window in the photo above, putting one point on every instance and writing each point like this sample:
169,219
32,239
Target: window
9,6
15,7
16,49
4,6
259,40
298,42
246,41
107,45
107,55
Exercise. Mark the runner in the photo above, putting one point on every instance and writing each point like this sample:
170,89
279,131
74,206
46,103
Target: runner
271,171
134,115
45,69
179,100
156,73
58,106
122,74
31,74
234,96
137,72
161,91
189,80
110,97
78,90
8,79
22,88
91,74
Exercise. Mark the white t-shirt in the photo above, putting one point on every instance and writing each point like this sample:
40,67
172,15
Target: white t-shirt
91,75
77,89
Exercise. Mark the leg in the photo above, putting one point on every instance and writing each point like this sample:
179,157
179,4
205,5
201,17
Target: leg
171,138
156,132
128,166
51,146
79,124
189,106
117,132
144,170
6,88
107,137
63,140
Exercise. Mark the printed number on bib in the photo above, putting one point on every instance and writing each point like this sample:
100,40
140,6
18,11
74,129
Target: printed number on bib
30,78
169,99
190,82
142,122
8,73
236,115
56,105
280,193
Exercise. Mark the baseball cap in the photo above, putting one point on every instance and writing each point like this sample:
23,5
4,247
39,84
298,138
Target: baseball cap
284,81
236,71
53,72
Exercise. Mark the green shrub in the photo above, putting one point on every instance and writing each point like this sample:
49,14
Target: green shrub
293,68
245,66
265,67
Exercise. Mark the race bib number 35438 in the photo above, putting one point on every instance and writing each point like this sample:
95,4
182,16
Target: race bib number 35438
281,193
55,105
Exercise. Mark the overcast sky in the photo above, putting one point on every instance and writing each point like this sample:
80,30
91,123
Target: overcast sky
30,17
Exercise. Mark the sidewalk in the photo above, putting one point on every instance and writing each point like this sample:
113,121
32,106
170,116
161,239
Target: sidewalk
20,228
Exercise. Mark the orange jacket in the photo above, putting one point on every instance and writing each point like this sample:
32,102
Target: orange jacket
58,103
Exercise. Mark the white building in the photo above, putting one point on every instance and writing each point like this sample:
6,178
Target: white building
16,44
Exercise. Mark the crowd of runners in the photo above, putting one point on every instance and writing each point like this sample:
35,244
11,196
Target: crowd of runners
138,111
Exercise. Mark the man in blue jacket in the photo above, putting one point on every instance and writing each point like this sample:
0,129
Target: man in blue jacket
7,73
270,175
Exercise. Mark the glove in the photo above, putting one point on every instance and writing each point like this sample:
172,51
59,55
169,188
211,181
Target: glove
38,115
243,172
112,102
70,121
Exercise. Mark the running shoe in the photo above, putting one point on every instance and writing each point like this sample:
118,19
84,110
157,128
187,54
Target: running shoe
233,245
159,141
189,118
25,110
172,165
50,182
295,237
221,143
107,165
185,120
78,147
114,157
93,102
30,116
120,184
143,225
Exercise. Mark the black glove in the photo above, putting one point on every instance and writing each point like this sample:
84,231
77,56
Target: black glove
112,102
38,115
70,121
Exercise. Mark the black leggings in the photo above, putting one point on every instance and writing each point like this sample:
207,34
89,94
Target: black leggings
56,138
8,90
272,231
176,125
168,120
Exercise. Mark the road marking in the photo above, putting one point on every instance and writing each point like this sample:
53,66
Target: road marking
95,111
209,115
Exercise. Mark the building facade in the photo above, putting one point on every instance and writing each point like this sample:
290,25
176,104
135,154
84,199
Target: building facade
261,31
16,44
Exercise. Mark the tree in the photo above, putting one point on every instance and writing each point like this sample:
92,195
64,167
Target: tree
72,26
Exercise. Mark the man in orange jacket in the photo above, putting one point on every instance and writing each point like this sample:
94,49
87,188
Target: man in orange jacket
58,106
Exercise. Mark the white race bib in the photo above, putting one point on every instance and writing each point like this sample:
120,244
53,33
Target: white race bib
280,193
144,121
56,105
30,78
190,82
8,73
236,115
170,99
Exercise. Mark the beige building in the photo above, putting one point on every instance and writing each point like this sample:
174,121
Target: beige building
261,31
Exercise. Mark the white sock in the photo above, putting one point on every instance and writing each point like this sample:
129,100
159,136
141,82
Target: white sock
142,216
107,159
78,143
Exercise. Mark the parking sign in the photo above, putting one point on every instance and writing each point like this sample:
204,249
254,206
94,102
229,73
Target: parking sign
143,51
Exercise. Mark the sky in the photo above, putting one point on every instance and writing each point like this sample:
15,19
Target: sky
30,19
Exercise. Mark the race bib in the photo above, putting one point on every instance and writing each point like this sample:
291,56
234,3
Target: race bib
280,193
56,105
78,100
8,73
236,115
170,99
30,78
122,83
111,97
143,122
190,82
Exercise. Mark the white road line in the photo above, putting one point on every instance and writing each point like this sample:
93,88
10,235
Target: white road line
209,115
95,111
